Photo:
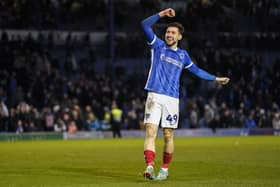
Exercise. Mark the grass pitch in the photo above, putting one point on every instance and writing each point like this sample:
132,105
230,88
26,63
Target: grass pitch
202,162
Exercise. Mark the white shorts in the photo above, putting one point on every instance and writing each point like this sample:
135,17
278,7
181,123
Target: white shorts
162,108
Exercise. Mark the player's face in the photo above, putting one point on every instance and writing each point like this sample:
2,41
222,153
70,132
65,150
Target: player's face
172,36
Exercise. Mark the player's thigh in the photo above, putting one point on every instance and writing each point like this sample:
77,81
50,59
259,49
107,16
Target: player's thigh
170,113
153,110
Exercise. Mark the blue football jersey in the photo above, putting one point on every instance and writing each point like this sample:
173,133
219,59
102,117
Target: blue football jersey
166,68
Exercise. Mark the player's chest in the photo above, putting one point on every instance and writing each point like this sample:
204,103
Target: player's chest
171,57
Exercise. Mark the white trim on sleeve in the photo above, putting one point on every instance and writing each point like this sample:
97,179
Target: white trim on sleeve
153,41
189,65
152,61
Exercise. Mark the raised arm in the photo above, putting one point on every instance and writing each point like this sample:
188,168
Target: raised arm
207,76
148,22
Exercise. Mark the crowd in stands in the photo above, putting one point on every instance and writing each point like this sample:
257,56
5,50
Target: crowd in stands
52,14
249,42
40,91
232,15
46,85
196,15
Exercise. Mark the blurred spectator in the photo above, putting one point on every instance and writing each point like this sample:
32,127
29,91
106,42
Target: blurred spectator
208,117
72,127
250,122
194,116
4,116
116,119
49,119
226,118
77,118
132,121
107,117
276,123
262,119
24,118
92,122
60,126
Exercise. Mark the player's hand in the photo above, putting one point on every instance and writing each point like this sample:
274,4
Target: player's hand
169,12
222,80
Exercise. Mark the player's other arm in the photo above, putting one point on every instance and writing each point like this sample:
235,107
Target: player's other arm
207,76
148,22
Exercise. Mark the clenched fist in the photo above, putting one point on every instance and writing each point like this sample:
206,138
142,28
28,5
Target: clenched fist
169,12
222,80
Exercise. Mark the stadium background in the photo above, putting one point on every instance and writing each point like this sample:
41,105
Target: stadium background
63,63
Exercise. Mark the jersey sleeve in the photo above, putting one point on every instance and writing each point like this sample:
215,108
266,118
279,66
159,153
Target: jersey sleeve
156,42
147,23
196,70
187,61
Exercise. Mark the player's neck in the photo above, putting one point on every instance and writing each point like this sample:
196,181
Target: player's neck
173,47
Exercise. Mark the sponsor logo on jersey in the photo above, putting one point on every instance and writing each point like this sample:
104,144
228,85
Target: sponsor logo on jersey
170,60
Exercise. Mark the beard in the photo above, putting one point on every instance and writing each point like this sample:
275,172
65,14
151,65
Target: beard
170,44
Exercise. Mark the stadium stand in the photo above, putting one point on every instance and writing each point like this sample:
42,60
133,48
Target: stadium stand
56,74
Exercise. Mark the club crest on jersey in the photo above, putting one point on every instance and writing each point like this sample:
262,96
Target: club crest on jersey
181,55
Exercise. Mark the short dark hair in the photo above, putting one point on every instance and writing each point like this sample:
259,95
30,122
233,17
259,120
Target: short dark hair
178,25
